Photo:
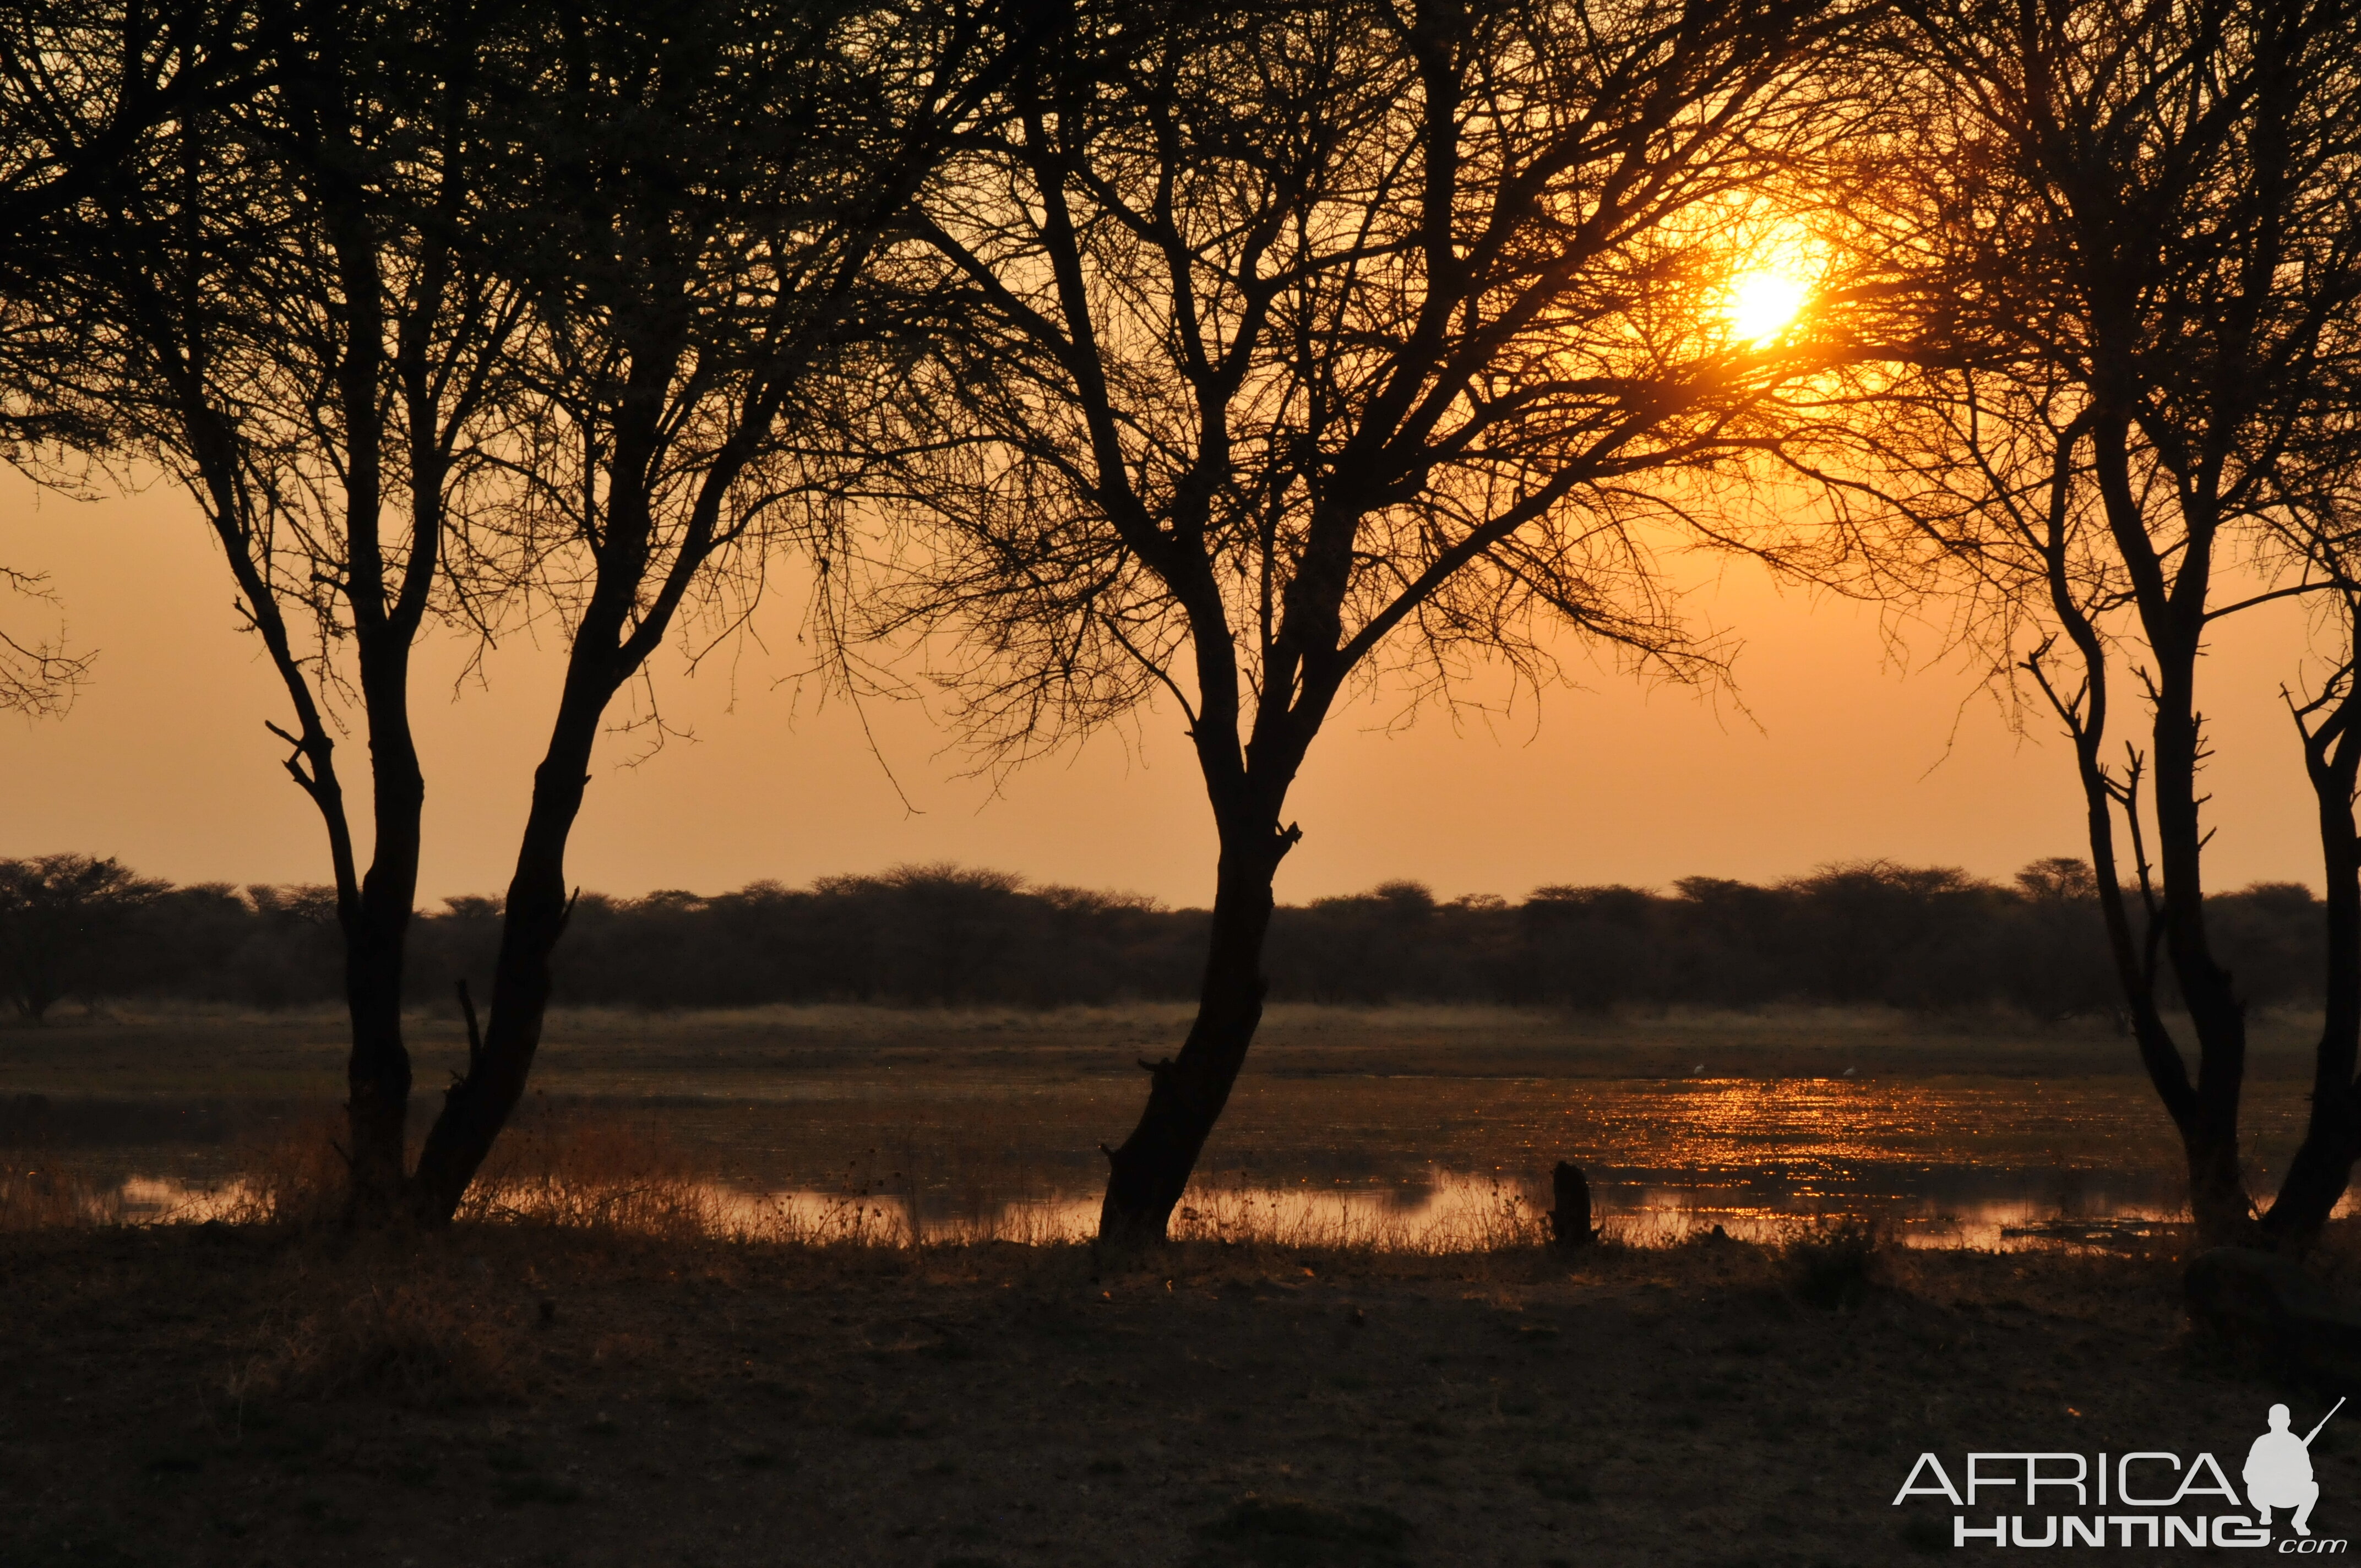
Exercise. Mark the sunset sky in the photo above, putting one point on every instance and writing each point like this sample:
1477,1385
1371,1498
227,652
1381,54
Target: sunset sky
1836,754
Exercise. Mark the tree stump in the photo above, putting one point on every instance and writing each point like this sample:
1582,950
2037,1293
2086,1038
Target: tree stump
1570,1220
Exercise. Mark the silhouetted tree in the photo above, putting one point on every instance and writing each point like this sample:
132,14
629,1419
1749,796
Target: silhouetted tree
310,331
81,84
84,84
709,183
926,936
2060,962
2131,232
60,916
1292,340
2329,725
257,946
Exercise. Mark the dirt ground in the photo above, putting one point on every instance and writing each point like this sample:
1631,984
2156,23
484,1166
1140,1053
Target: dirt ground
243,1396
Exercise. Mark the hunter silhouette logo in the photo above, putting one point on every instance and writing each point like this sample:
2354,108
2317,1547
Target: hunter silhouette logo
2279,1471
2148,1499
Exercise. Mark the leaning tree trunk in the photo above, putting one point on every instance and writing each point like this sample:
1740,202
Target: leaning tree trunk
1186,1094
2322,1167
478,1105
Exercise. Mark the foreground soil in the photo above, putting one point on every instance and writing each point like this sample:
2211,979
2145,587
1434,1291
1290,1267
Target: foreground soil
218,1396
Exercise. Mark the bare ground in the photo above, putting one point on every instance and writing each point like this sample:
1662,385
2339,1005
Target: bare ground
513,1395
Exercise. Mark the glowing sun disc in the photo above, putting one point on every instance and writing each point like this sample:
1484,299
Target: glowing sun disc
1762,305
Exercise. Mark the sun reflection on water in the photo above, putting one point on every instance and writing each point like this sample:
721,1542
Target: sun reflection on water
1422,1164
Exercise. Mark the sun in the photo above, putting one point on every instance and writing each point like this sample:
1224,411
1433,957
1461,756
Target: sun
1762,304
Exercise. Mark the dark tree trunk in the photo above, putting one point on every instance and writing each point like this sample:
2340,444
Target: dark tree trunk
478,1106
605,651
2218,1201
2322,1167
377,1074
2171,598
1186,1094
2218,1198
374,910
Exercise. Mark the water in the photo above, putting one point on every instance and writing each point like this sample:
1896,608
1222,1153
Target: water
1399,1160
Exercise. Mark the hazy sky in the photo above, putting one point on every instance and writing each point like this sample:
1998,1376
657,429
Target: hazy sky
1838,754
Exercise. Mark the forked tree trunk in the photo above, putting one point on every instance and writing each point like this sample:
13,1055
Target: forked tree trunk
658,398
1186,1094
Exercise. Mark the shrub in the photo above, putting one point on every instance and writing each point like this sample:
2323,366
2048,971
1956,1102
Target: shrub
1833,1262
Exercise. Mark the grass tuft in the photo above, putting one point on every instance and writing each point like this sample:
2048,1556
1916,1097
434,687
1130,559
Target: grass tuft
1833,1262
420,1339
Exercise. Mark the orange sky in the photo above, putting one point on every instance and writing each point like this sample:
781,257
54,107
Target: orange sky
164,763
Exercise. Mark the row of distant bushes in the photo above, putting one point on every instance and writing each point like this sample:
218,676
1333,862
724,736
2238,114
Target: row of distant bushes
1876,932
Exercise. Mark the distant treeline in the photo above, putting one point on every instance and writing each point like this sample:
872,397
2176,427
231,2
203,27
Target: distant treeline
1905,937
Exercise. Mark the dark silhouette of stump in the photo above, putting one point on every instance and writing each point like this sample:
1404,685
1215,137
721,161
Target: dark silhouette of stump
1570,1220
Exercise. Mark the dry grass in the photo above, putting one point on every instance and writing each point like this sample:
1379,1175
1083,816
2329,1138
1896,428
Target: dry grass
423,1336
887,1126
294,1181
1460,1217
582,1170
1834,1261
588,1175
34,1198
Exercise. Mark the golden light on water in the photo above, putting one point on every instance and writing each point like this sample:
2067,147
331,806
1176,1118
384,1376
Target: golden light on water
1764,303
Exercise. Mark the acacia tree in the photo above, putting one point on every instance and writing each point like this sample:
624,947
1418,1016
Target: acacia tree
305,326
58,915
2128,235
708,186
80,85
2315,534
1282,343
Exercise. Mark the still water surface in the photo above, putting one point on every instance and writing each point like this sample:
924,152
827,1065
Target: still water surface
1393,1159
